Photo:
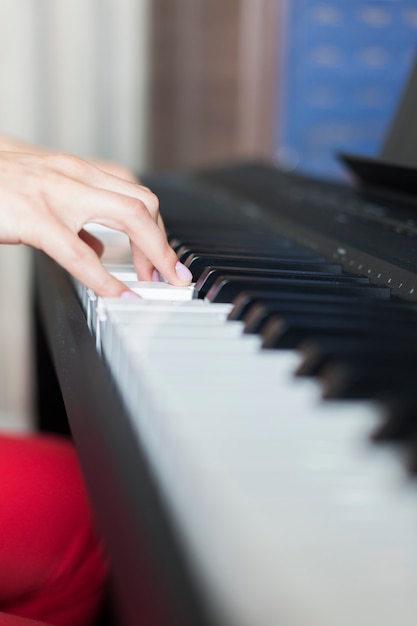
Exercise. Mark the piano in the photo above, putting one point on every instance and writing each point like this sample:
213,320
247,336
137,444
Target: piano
250,443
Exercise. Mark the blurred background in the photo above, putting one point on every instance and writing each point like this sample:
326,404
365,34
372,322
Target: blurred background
159,84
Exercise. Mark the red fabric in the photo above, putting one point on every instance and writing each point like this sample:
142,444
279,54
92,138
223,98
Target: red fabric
12,620
52,567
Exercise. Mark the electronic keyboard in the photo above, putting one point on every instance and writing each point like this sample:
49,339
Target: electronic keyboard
250,441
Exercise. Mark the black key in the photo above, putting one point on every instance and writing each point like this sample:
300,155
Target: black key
258,315
227,288
197,263
399,421
181,230
230,235
364,376
246,250
289,333
411,454
400,425
211,274
261,313
246,300
317,353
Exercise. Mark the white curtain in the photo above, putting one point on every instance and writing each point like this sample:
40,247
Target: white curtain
73,76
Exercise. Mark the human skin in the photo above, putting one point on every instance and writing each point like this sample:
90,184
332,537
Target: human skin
46,199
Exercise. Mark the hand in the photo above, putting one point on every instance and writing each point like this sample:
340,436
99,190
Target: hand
115,169
46,199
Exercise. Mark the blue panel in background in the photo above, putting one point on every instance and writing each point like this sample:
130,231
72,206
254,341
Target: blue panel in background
344,65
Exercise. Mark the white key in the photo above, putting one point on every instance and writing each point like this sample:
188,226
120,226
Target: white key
161,291
287,513
167,321
282,503
123,272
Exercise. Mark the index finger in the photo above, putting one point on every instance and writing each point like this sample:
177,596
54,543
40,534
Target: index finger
147,237
152,242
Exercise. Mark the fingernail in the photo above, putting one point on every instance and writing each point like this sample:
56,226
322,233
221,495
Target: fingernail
156,277
183,272
130,294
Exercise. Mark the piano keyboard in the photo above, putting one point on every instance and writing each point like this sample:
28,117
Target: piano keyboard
254,394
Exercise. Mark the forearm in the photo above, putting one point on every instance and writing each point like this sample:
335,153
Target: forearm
9,144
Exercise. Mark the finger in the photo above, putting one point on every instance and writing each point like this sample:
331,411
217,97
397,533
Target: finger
160,254
84,172
115,169
148,241
161,224
92,241
82,204
80,260
144,268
